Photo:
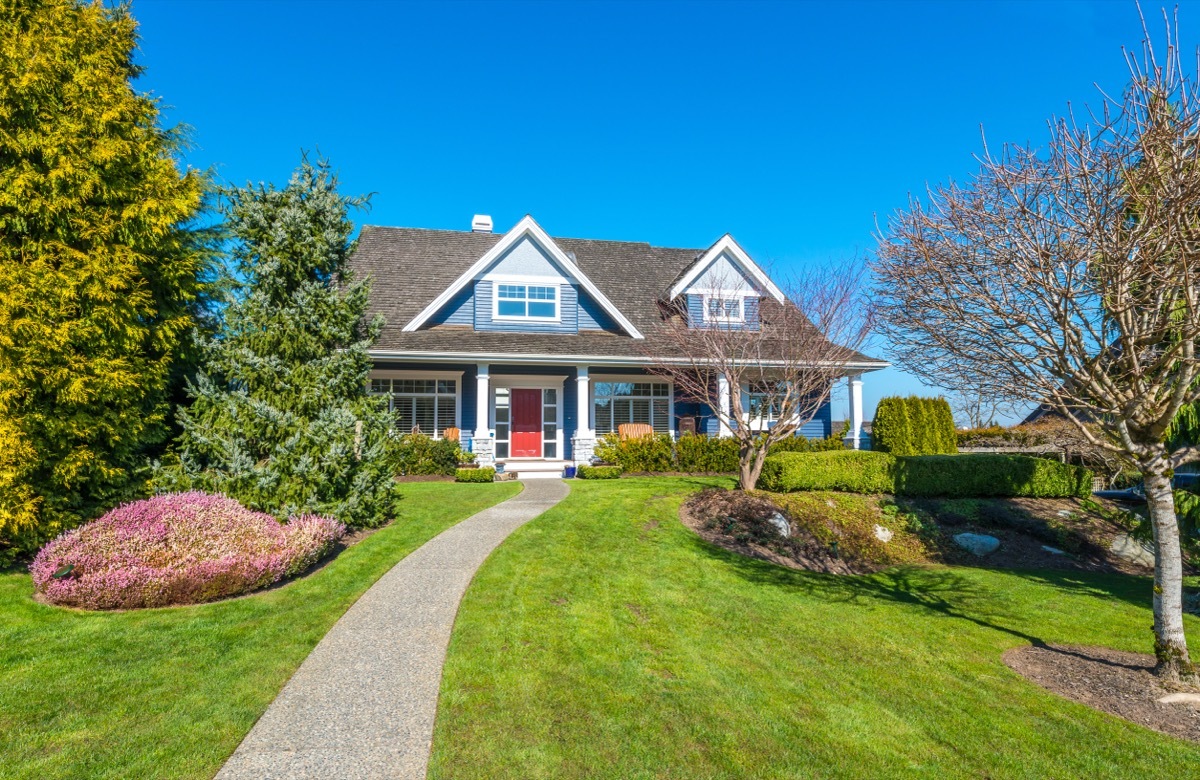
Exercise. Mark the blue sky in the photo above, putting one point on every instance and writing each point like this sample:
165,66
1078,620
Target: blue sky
792,126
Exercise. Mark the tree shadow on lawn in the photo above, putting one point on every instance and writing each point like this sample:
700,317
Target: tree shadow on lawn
938,590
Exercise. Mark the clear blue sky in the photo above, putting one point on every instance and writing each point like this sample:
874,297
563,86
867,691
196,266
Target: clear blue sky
790,125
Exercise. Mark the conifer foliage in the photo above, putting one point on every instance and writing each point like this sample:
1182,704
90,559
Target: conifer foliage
100,273
280,417
914,426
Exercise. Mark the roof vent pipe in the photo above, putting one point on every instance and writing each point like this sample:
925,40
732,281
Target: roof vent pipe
481,223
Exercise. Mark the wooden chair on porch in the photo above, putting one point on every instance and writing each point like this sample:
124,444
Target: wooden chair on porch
451,434
634,431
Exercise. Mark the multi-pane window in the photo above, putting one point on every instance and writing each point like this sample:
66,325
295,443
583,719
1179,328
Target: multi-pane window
617,403
430,405
503,418
764,401
719,309
527,301
549,423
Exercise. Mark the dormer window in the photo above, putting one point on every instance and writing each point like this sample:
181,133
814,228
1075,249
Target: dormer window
526,302
724,309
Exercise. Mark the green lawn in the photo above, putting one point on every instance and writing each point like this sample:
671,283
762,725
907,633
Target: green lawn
605,640
171,692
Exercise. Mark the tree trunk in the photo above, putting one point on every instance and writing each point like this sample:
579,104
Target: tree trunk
751,466
1170,645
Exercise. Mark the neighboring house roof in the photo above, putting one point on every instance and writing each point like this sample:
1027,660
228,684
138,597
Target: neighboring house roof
411,268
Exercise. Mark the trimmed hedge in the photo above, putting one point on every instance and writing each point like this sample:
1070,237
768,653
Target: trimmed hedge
693,453
417,454
697,453
646,453
598,472
914,426
956,476
850,471
475,475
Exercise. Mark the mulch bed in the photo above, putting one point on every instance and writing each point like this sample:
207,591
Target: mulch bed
709,513
1121,684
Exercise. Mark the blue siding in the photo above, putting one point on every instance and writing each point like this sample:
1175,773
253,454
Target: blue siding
459,310
567,305
591,315
751,306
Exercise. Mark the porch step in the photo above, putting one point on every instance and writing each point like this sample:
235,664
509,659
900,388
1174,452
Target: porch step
536,469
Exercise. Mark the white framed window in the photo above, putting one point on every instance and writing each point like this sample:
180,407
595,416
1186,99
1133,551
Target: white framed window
430,405
763,402
721,308
515,301
617,403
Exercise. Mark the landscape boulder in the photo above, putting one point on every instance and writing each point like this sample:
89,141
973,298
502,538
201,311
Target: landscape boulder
980,545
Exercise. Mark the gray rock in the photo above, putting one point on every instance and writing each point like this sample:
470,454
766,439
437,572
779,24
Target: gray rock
782,526
883,534
980,545
1130,549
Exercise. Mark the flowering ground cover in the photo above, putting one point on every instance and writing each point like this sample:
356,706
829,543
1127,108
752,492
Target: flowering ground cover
179,548
169,693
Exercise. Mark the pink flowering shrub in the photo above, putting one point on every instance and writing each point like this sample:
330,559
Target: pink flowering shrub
181,548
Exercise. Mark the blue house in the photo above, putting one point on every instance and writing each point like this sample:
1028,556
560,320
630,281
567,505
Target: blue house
533,347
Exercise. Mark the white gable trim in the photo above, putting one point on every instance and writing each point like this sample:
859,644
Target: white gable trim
726,244
526,227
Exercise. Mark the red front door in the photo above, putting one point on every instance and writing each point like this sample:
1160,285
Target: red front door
526,424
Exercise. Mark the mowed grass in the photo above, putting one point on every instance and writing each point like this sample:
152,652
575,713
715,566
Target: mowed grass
169,693
605,640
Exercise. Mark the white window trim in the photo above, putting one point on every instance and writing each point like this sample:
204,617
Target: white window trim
554,283
595,379
722,295
391,373
531,382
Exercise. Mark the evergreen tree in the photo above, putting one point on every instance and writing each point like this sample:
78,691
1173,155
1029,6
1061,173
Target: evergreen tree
281,418
100,273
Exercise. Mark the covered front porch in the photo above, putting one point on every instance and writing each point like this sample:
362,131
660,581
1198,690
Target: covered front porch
523,413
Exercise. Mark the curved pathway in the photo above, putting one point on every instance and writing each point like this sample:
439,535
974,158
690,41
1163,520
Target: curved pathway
362,704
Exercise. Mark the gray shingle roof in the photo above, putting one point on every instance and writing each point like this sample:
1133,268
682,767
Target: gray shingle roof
409,267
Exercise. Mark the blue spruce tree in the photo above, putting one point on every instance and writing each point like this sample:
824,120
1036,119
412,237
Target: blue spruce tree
280,418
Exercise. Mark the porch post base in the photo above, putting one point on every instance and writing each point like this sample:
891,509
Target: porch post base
484,448
583,449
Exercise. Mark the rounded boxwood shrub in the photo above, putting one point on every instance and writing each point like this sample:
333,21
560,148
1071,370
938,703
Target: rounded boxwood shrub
475,475
644,453
180,548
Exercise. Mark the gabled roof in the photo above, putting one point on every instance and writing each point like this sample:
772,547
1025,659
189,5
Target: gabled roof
725,245
527,227
410,267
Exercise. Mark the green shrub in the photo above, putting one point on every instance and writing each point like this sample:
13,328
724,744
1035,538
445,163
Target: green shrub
914,426
956,476
805,444
417,454
850,471
475,475
598,472
698,453
646,453
990,475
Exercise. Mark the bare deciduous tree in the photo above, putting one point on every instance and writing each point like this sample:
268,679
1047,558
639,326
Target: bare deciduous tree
764,380
1071,276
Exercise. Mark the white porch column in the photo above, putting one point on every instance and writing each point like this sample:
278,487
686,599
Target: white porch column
584,441
723,404
483,445
856,411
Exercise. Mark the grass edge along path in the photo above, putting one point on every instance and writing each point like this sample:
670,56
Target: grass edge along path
604,639
170,693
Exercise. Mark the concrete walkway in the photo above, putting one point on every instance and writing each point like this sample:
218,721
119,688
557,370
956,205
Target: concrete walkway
362,704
